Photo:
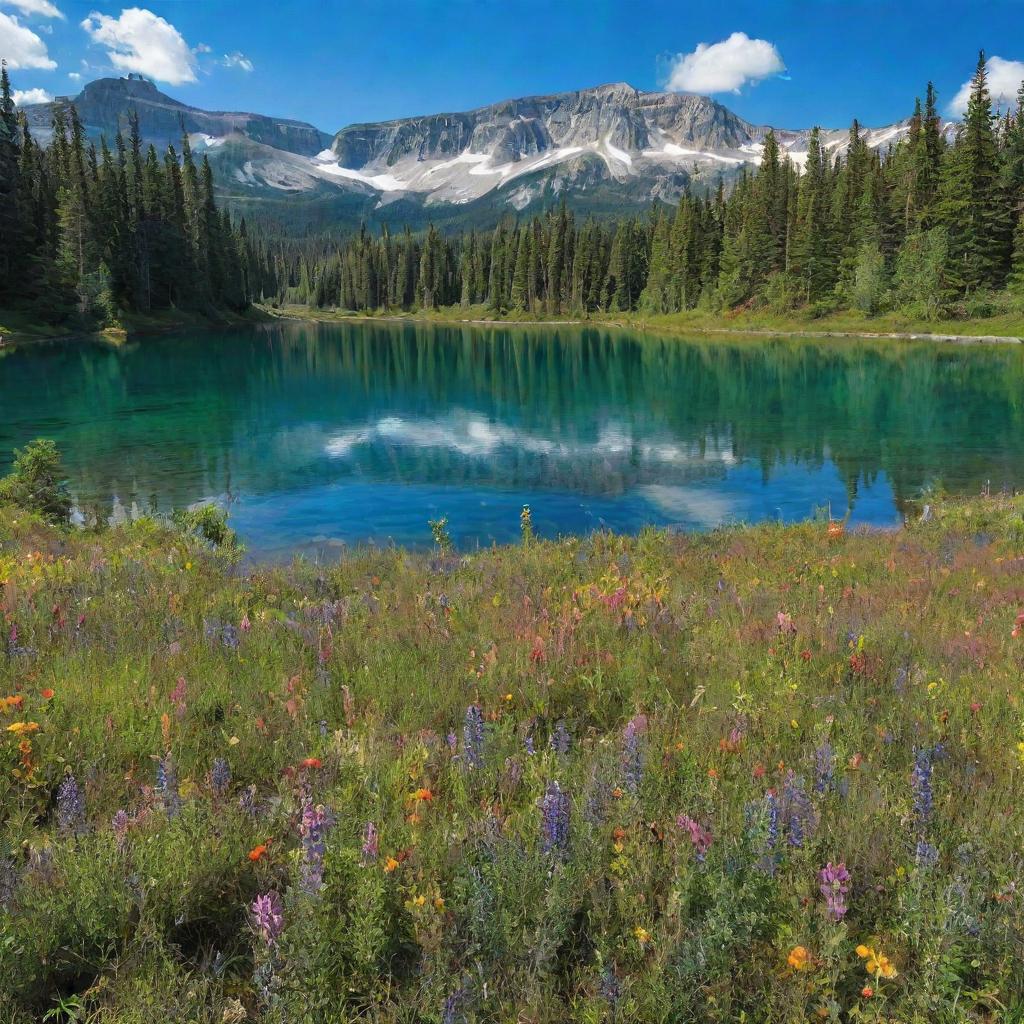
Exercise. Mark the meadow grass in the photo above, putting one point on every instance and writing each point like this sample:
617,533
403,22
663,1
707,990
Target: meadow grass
763,774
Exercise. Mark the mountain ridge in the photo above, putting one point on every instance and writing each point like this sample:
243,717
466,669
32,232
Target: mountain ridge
610,147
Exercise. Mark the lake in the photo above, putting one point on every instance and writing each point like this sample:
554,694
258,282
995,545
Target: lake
320,435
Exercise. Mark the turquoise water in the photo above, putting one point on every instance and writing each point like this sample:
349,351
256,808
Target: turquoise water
321,435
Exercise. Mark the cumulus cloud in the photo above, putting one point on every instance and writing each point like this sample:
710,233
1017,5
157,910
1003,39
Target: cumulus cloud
142,41
237,60
1004,79
21,47
43,8
725,66
22,97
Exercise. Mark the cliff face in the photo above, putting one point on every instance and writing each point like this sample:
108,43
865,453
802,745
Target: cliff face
616,115
105,105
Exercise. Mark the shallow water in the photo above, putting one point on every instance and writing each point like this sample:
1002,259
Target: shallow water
320,435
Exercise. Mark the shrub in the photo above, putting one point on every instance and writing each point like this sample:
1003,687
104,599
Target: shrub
38,483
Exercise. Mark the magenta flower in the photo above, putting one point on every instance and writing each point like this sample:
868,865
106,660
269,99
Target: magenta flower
834,884
268,917
700,837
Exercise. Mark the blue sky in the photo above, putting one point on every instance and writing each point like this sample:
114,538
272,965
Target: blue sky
334,63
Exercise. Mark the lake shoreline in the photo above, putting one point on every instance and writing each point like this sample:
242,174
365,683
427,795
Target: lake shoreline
644,325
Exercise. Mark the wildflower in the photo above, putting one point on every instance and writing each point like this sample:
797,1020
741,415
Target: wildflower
167,785
257,853
268,917
799,959
47,694
220,776
643,936
312,827
451,1012
473,736
423,794
555,810
867,991
700,837
390,864
312,762
119,823
876,963
371,843
834,884
23,728
247,801
632,752
824,767
70,807
921,783
798,811
560,739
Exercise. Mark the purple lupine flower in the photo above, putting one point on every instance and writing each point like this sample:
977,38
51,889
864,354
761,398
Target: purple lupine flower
247,801
120,824
220,776
229,637
371,843
268,917
167,785
452,1011
529,745
798,811
313,825
921,783
834,884
925,854
473,736
453,743
610,990
70,807
555,810
762,823
700,837
560,739
824,767
632,752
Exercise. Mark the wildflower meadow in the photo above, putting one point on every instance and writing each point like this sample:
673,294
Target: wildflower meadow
762,774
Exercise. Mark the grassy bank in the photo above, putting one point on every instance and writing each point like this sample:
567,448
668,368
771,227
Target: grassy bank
765,774
1007,325
18,328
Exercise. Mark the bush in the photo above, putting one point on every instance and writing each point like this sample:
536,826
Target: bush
37,483
208,522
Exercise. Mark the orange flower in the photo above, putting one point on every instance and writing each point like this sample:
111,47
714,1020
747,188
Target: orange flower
867,991
799,959
7,703
21,728
312,762
258,852
423,794
617,793
390,864
47,694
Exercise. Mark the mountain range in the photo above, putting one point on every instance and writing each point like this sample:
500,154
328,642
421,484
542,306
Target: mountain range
604,149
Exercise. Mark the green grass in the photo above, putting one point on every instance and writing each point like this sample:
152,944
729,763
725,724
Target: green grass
771,684
1007,323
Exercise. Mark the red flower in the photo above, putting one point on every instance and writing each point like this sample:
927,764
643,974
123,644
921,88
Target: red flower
258,852
312,762
47,694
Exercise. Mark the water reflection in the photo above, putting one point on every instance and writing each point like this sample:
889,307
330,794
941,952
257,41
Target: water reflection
361,430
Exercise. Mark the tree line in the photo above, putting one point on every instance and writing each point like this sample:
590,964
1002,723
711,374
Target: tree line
931,222
86,235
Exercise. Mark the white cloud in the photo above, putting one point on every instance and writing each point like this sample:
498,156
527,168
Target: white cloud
21,47
237,60
202,48
725,66
142,41
43,8
1004,79
22,97
74,76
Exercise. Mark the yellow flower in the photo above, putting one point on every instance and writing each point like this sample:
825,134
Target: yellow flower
439,902
20,728
863,951
798,958
643,936
418,901
390,864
